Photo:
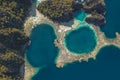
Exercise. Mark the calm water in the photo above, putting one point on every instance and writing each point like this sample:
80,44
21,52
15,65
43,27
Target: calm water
80,16
113,18
81,40
42,50
105,67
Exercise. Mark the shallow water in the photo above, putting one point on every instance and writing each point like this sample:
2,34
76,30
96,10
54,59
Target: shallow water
80,16
42,50
81,40
105,67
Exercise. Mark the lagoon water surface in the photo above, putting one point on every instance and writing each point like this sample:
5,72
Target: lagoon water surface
81,40
42,50
105,67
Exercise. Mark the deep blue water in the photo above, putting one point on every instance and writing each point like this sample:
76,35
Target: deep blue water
105,67
113,18
42,50
81,40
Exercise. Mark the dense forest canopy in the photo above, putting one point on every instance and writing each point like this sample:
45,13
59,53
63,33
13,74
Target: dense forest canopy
58,10
12,38
13,12
63,10
12,16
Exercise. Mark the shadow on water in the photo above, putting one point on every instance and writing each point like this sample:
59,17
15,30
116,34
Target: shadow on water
112,17
105,67
42,50
70,23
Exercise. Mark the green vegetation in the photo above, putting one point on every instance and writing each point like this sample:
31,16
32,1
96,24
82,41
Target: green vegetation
97,10
12,38
13,12
10,64
97,6
96,19
58,10
63,10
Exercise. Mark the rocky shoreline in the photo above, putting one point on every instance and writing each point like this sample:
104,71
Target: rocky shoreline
95,8
65,56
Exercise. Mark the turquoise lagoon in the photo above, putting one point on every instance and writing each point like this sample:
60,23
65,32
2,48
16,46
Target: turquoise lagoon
81,40
42,50
80,16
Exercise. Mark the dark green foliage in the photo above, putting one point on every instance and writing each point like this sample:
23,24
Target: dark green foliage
12,38
97,6
96,19
58,10
97,10
13,12
12,63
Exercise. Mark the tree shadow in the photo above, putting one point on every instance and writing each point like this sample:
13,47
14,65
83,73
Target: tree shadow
69,24
33,8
